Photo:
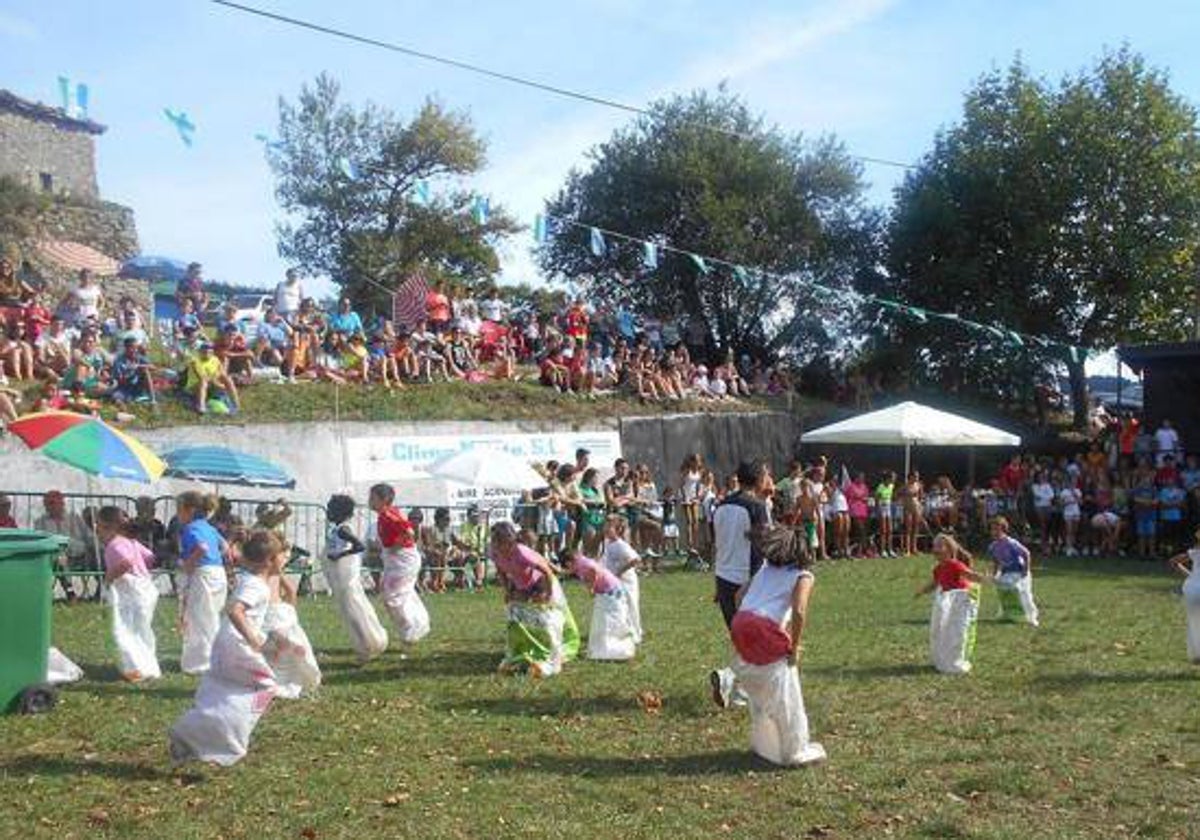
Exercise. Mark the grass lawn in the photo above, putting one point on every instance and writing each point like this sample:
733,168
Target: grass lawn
1087,727
501,401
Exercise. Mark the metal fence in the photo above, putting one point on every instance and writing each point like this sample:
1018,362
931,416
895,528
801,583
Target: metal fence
80,570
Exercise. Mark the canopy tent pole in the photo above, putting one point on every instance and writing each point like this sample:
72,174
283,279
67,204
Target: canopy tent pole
907,459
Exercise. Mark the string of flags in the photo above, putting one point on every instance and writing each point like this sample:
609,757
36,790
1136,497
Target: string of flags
75,102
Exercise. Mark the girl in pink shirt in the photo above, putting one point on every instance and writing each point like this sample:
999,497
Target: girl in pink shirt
857,492
131,594
612,637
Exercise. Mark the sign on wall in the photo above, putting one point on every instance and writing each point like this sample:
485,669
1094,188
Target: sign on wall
404,457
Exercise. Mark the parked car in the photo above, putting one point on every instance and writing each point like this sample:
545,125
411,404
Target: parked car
251,307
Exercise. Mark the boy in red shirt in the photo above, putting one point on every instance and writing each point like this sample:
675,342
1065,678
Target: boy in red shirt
577,323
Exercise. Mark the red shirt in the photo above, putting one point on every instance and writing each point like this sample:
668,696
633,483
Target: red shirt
437,307
577,323
36,317
394,529
7,522
1127,435
950,574
1011,477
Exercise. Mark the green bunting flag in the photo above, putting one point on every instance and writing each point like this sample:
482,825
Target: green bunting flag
539,228
742,276
481,210
649,256
597,242
699,262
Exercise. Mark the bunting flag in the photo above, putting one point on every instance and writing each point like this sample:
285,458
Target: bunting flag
268,142
699,262
422,192
540,234
481,210
1015,338
597,242
742,276
81,100
348,168
183,126
650,256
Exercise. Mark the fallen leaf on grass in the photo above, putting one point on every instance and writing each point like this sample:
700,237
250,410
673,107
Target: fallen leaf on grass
1166,761
308,833
395,799
819,831
650,701
98,817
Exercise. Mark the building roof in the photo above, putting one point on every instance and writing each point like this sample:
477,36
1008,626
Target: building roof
14,104
1146,355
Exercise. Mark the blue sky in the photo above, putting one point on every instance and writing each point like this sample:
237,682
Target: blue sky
883,75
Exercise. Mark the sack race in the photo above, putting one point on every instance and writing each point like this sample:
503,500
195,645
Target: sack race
541,635
60,669
778,722
367,635
401,570
202,599
1015,592
289,653
952,629
1191,603
133,599
611,637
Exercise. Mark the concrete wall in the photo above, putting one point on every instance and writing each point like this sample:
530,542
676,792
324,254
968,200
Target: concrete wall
30,147
315,455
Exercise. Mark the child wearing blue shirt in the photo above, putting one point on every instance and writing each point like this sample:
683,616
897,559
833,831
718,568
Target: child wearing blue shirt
1012,566
202,597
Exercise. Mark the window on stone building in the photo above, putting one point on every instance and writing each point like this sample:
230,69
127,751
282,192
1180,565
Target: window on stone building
47,181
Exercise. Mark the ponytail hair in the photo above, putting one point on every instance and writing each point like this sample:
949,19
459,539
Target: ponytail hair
784,546
956,550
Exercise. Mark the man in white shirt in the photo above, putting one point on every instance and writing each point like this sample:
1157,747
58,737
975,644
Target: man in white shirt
492,308
737,524
288,295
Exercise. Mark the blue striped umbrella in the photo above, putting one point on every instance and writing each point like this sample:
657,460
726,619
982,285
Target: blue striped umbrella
218,465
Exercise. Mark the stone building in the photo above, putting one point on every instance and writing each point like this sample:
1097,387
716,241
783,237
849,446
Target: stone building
54,154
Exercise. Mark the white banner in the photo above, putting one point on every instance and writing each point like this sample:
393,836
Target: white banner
403,458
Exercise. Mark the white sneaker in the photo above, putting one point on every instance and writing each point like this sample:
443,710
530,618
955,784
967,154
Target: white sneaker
739,697
721,683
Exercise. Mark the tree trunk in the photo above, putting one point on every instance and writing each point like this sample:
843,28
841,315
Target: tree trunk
1079,395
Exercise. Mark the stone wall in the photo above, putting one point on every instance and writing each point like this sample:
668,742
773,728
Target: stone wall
30,148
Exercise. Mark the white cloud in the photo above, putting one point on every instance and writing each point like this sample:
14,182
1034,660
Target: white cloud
527,174
17,28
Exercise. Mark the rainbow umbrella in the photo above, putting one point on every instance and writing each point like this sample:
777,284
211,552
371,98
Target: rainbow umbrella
88,444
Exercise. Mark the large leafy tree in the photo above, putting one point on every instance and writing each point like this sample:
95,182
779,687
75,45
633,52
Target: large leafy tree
20,211
1069,211
351,181
702,174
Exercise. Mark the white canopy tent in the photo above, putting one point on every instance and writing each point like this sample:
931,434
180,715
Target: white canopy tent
911,424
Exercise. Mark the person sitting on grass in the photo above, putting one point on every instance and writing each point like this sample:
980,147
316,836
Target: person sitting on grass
430,359
460,359
131,374
271,345
381,364
10,398
206,379
89,367
236,358
554,370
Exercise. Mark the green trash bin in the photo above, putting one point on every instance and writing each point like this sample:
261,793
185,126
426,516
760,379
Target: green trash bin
26,582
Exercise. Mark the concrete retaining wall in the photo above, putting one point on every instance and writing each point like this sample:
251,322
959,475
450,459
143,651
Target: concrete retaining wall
315,454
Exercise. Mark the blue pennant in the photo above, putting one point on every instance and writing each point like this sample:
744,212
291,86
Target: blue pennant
597,242
481,210
183,125
650,255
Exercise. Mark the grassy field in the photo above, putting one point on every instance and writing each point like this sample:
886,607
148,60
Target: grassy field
501,401
1087,727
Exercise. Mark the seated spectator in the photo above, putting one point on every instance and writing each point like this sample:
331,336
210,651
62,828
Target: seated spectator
13,290
273,342
345,320
89,367
187,318
207,380
469,321
236,358
405,357
50,398
131,374
355,359
459,357
37,318
430,356
554,371
228,316
381,363
16,353
191,288
307,327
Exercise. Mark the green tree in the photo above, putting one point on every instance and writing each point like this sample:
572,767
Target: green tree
704,175
349,180
1069,211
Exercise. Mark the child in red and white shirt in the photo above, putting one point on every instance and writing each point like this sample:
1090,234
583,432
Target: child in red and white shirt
401,566
955,606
